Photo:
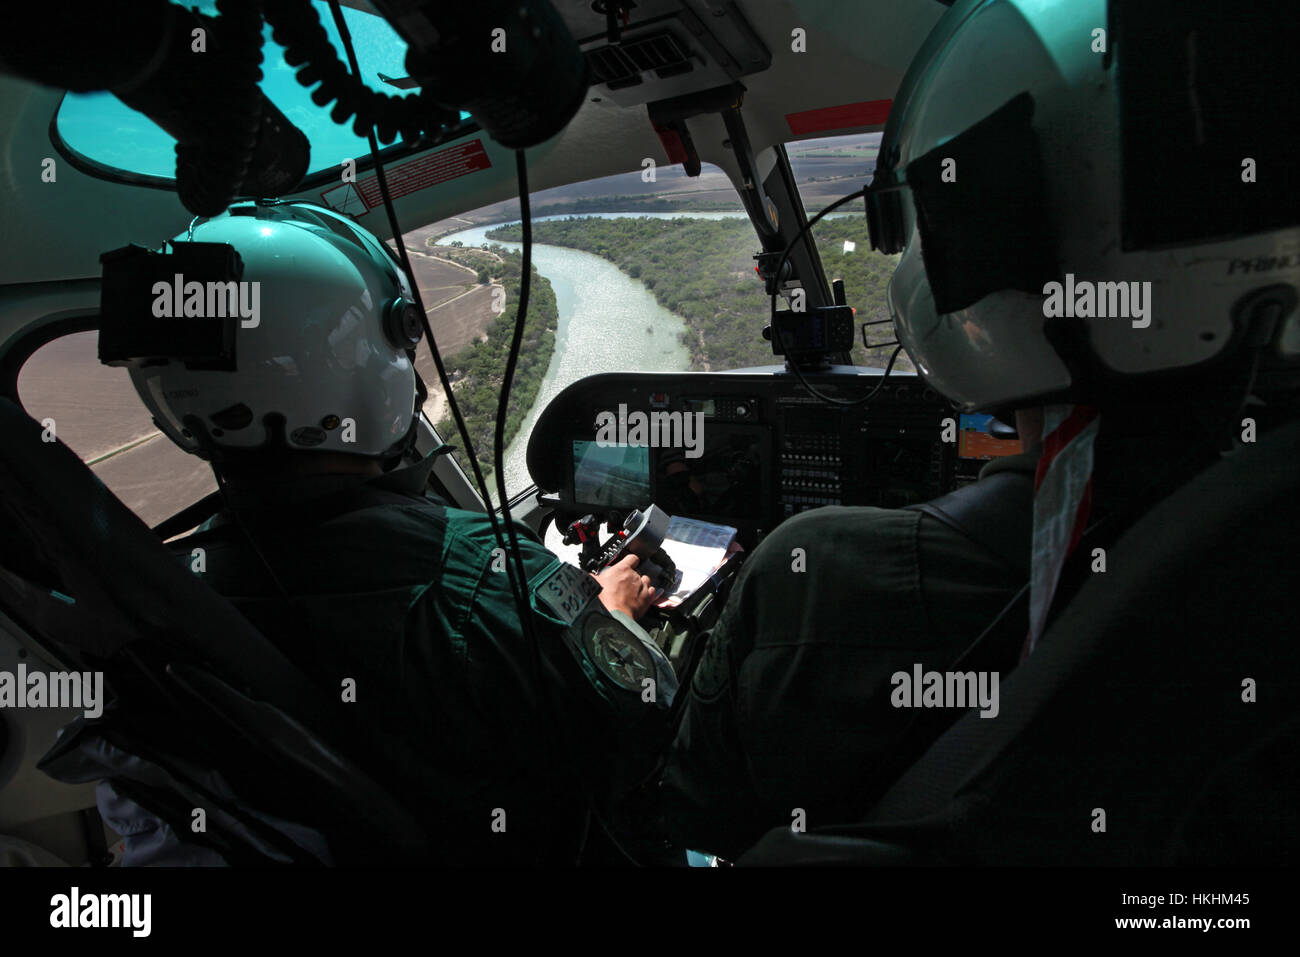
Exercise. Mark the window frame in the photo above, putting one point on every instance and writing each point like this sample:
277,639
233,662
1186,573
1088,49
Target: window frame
365,161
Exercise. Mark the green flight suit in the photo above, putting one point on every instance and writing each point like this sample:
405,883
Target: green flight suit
789,709
403,598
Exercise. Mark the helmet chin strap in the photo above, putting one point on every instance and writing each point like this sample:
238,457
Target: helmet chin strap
208,450
392,458
406,445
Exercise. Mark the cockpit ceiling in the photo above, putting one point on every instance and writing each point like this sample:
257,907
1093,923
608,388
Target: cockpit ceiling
854,52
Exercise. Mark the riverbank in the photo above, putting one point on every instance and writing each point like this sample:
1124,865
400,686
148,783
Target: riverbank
702,269
670,292
477,372
608,322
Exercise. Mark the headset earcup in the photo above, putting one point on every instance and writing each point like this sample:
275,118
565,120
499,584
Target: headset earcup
402,324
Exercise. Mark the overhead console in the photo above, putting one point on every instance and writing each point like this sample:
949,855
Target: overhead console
748,449
639,51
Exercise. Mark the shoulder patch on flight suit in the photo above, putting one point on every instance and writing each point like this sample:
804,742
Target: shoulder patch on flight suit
561,592
617,653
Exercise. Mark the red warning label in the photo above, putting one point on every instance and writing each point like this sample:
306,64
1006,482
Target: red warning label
422,173
866,113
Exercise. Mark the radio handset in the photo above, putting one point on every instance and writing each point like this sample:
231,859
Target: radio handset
642,535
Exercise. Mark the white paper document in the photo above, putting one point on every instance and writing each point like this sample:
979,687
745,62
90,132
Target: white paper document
697,549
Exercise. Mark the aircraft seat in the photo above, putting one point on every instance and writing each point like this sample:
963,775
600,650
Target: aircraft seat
214,714
1156,722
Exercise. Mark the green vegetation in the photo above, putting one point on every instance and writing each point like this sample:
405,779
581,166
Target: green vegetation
469,256
703,270
664,203
476,373
866,275
836,152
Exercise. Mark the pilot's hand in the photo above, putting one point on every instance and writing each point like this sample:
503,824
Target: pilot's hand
623,588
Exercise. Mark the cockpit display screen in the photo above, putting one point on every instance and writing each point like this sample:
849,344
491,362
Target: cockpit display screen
614,475
974,441
724,484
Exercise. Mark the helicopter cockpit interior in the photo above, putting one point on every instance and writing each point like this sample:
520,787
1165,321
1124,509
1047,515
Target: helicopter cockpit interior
643,241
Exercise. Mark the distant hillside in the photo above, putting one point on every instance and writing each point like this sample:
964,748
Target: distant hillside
825,169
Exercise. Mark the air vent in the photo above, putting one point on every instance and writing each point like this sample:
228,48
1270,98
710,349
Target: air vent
610,67
621,66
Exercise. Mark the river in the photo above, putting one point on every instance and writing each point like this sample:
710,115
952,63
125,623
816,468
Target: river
608,322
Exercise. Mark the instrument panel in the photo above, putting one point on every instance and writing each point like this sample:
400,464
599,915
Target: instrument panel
747,449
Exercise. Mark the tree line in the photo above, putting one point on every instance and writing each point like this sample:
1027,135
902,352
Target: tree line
477,372
703,271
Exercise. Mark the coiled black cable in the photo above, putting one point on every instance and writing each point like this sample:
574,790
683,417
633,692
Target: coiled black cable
296,27
211,171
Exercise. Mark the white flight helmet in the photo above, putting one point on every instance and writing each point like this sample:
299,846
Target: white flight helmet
1036,142
324,365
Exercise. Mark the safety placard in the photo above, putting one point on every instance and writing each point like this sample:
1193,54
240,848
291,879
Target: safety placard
426,171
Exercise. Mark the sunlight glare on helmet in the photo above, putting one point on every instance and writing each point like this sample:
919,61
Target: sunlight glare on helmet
266,230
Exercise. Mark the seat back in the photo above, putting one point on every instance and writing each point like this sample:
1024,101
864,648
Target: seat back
197,689
1117,738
